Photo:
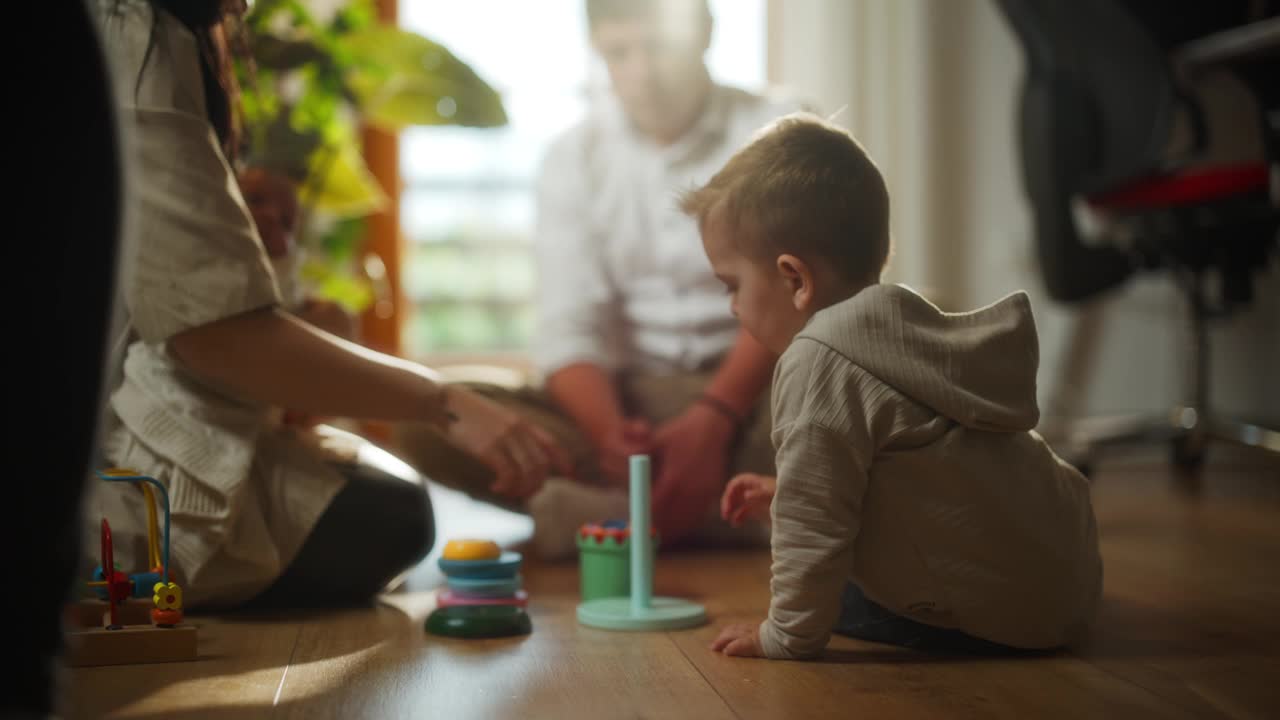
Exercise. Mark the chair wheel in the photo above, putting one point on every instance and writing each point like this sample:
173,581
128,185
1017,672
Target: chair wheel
1187,453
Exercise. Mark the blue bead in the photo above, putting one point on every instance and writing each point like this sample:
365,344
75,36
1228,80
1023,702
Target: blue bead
143,583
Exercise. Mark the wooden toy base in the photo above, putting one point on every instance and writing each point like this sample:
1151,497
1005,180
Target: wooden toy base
131,644
91,613
137,641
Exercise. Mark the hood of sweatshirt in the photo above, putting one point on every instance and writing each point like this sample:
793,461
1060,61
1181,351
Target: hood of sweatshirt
977,368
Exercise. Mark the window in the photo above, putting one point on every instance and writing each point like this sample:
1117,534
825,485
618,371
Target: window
467,208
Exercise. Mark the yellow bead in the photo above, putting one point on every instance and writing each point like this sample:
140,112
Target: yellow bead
472,550
167,597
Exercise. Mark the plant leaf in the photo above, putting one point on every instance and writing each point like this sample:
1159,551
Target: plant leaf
341,184
284,149
352,292
343,239
279,54
403,78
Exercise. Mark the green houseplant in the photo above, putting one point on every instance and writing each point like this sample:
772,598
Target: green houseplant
308,85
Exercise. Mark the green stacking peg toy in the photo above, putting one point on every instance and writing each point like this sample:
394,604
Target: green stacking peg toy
641,610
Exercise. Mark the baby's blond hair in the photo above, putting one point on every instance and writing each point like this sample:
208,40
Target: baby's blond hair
802,186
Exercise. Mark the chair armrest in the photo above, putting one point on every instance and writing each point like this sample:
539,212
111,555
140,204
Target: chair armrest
1245,43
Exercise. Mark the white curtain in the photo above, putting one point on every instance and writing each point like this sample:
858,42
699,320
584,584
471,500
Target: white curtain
863,63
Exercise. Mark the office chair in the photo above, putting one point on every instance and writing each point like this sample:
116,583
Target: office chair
1098,108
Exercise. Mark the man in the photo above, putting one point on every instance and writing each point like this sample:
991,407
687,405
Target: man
636,342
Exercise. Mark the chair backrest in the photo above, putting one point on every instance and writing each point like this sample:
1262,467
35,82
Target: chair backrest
1098,105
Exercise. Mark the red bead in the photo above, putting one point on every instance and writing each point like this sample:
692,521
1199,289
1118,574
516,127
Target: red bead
166,617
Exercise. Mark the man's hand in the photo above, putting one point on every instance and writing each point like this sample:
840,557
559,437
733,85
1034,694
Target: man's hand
693,461
614,446
739,640
748,496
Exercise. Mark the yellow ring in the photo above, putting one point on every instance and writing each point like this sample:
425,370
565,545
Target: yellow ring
471,550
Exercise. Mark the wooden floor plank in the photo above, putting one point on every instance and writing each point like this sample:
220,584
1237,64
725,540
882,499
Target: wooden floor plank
889,682
1193,595
389,667
239,670
1189,627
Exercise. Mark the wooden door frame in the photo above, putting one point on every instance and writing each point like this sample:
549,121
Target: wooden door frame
380,325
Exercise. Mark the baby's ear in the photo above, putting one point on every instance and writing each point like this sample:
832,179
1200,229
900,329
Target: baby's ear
788,267
799,278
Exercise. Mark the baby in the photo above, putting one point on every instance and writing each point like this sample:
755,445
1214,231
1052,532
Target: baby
272,200
914,504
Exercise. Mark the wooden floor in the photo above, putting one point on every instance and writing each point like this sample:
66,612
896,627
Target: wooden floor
1189,627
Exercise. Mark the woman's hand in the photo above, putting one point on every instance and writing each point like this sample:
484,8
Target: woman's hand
521,454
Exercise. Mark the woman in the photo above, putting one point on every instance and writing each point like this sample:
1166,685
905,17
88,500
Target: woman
257,516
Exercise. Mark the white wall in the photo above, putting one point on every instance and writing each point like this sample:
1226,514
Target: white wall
933,91
835,55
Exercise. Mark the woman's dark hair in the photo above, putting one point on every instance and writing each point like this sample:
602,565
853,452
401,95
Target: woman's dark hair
206,19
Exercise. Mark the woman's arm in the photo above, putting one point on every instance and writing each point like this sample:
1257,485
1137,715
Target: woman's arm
272,357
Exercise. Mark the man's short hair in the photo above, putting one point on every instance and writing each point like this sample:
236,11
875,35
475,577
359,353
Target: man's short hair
802,186
598,10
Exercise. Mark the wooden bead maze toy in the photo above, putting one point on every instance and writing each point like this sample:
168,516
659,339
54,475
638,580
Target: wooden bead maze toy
115,628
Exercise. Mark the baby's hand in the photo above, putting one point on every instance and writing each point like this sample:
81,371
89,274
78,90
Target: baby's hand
739,640
747,496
